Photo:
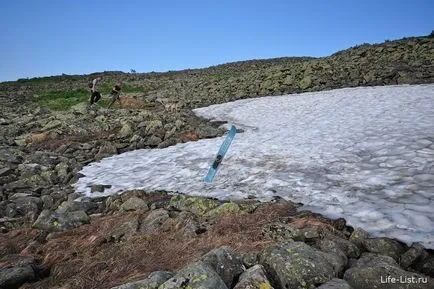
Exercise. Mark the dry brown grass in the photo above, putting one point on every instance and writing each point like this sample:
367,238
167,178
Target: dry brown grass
190,136
35,138
130,102
16,240
53,144
82,258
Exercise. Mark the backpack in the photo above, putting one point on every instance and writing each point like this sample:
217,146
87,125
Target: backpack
90,84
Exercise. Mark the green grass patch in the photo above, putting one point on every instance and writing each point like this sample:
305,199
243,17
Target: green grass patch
126,88
63,100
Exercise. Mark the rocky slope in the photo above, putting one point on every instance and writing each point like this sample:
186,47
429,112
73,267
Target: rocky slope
42,151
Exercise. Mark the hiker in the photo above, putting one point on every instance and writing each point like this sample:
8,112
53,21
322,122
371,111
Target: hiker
115,93
94,88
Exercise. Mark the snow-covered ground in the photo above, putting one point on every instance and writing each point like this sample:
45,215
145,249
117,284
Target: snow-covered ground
365,154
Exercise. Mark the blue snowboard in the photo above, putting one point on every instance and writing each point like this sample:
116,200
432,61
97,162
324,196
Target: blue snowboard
220,155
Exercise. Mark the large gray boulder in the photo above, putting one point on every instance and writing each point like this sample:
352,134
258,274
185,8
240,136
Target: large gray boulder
335,284
195,276
14,277
133,204
385,246
154,280
378,271
227,262
124,230
297,265
254,278
53,221
153,220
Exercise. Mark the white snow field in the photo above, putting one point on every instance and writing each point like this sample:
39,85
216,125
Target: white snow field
365,154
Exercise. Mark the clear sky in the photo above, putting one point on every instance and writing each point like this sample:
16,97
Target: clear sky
51,37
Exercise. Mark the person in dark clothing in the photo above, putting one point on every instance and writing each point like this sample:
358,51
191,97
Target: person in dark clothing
115,93
96,95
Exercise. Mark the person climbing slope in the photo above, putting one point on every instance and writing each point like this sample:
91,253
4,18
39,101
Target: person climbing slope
94,88
115,94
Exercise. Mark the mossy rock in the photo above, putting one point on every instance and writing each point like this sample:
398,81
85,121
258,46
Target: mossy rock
305,83
196,205
223,210
195,276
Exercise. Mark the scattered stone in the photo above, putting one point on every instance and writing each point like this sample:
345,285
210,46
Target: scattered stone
154,280
14,277
196,205
250,259
222,210
153,220
52,221
207,132
226,262
414,254
81,108
330,246
47,202
335,283
372,259
123,231
283,232
349,248
153,141
107,149
426,266
358,237
385,246
126,130
377,271
99,188
133,204
26,205
312,233
195,276
296,265
254,278
5,171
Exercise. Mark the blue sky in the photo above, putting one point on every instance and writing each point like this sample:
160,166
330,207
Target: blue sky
51,37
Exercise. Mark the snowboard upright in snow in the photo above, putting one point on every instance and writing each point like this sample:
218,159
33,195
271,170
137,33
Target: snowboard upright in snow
220,155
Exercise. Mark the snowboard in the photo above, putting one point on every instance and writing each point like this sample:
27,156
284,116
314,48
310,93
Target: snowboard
220,155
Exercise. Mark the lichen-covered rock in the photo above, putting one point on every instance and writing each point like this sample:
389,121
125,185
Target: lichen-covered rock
196,205
250,259
70,206
27,205
223,209
123,231
195,276
297,265
153,141
53,221
385,246
358,236
107,149
254,278
133,204
153,220
283,232
126,130
377,271
154,280
349,248
226,262
330,246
